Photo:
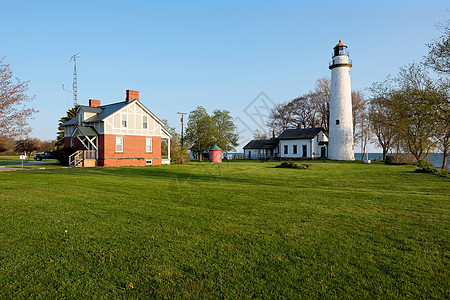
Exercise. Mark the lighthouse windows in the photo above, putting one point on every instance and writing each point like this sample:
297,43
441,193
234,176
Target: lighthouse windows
337,122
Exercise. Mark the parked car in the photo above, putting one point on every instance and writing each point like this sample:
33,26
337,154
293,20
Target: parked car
45,155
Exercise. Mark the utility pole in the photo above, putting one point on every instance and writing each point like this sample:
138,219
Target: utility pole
182,125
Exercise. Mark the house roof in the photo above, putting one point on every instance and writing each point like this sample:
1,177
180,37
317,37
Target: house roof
262,144
300,134
96,109
86,130
105,110
70,122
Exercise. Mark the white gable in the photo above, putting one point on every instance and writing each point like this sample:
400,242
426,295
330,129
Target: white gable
130,120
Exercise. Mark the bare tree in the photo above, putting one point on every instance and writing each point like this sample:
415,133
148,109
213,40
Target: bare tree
13,95
281,117
7,144
260,135
360,114
381,116
359,107
305,111
27,145
439,51
321,99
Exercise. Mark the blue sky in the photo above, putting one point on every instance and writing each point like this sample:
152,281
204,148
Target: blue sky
220,55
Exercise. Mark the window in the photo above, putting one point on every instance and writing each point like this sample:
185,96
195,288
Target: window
124,120
305,150
337,122
119,144
285,149
294,149
149,162
148,145
144,122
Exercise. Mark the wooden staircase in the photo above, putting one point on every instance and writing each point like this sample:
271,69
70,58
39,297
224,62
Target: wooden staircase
83,159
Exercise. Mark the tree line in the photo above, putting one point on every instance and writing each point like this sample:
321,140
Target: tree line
26,145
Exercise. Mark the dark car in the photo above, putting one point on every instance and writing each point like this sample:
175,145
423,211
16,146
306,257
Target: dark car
45,155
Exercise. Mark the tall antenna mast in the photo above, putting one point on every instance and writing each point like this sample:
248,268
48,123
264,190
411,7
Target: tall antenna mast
74,85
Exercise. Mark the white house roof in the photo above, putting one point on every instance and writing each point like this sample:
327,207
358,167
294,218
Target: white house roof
300,134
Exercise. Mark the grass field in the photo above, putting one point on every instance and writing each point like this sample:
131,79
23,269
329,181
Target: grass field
12,160
15,160
231,230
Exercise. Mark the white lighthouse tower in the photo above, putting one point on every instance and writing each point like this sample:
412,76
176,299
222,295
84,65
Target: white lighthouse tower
340,143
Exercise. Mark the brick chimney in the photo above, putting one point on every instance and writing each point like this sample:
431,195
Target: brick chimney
131,95
94,103
273,133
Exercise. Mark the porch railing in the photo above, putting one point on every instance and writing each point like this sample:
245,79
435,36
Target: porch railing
78,158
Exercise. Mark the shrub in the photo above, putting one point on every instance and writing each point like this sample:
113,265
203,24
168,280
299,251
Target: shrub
425,170
424,164
291,165
62,155
399,159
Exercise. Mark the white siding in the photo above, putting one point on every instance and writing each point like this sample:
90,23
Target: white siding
299,143
134,114
313,147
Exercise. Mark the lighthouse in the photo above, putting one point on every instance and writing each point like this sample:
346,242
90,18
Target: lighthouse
340,143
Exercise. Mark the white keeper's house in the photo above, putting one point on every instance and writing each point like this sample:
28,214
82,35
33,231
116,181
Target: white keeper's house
307,143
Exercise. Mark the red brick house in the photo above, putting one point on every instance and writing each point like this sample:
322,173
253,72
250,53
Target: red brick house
119,134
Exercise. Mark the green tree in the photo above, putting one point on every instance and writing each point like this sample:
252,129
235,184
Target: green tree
13,95
71,113
199,134
203,131
416,102
224,130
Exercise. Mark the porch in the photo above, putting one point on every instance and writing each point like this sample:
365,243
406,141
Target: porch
88,156
83,159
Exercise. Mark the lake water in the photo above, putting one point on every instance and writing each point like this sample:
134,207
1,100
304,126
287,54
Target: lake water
435,158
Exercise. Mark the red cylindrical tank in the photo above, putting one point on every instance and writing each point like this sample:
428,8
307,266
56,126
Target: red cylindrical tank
215,154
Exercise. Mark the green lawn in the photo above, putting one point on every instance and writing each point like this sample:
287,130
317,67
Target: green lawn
12,160
231,230
15,160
